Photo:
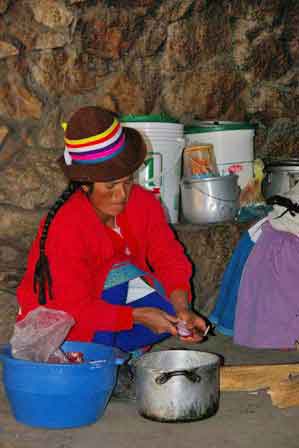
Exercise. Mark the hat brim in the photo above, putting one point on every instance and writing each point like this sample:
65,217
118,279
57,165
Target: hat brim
122,165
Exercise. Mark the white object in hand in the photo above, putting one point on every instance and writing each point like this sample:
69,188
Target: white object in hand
182,329
207,330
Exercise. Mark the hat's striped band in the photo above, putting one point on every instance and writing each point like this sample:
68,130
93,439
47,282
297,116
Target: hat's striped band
95,138
90,148
96,149
100,153
99,160
102,140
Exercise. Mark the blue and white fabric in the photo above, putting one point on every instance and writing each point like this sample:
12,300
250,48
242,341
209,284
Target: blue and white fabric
223,314
125,286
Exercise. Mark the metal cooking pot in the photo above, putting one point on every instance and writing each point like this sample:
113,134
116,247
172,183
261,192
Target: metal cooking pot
210,200
177,385
281,176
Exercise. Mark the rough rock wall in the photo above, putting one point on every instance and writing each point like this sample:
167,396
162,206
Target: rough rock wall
225,60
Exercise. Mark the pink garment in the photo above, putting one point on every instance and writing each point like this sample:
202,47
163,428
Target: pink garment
267,313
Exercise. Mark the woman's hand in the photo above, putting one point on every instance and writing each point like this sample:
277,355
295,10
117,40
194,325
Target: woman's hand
195,324
156,320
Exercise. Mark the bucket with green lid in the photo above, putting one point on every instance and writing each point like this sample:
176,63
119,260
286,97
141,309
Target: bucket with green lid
233,144
155,126
161,173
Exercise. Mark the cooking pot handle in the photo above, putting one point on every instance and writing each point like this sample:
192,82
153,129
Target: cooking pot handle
190,374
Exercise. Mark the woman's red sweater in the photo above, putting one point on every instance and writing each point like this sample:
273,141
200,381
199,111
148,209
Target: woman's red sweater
81,253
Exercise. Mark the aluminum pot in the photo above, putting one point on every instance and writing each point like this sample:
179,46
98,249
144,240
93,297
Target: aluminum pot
210,200
177,385
281,176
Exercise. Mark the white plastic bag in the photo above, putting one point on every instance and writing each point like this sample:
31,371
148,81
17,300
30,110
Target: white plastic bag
39,335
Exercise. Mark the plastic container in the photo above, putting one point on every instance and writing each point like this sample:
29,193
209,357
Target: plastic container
164,137
233,144
58,396
199,161
155,119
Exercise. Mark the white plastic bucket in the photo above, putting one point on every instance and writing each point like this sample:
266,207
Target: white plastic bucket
233,144
156,127
162,170
166,175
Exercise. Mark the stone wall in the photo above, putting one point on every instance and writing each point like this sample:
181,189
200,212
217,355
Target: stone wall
192,59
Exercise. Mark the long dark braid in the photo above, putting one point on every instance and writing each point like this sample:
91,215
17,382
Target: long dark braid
42,275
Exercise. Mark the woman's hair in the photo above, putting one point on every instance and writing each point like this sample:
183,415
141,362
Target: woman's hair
42,275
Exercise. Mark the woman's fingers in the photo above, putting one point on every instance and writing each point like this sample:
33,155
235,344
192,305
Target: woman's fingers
170,318
157,320
192,321
173,321
195,337
200,324
167,323
172,330
161,322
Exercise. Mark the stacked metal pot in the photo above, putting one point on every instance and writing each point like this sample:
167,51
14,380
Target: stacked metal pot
213,196
281,176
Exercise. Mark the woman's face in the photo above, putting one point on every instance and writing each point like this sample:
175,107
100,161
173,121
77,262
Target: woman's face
110,198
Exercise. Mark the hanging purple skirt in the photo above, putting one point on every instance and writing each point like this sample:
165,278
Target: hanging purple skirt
267,313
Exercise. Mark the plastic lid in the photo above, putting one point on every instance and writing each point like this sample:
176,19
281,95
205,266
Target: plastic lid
214,126
160,118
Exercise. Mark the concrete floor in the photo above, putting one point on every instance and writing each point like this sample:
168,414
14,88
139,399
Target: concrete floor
244,419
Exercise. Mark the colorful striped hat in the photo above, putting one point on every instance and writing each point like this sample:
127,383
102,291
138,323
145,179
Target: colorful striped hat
98,148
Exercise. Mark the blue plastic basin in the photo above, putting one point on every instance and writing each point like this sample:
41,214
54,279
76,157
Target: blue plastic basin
58,396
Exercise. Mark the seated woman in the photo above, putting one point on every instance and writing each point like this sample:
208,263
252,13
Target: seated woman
105,253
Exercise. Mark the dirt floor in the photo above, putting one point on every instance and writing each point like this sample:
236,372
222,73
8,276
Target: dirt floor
244,419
